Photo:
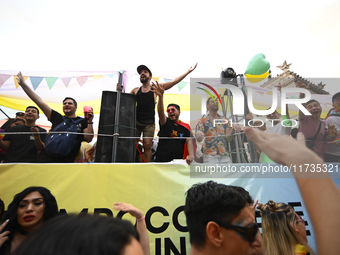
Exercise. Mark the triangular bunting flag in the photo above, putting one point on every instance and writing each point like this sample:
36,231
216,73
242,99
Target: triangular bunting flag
155,79
3,78
16,80
111,75
221,90
193,90
66,81
181,85
82,80
36,81
50,81
97,77
127,75
166,80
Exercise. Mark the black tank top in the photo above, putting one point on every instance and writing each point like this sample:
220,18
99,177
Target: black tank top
145,107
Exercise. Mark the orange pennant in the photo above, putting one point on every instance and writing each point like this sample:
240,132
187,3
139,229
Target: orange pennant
16,80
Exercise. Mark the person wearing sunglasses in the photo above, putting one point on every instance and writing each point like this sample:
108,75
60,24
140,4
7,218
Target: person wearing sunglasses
221,220
170,145
146,100
284,231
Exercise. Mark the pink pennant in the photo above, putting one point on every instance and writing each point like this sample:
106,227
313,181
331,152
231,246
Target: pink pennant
3,78
66,81
82,80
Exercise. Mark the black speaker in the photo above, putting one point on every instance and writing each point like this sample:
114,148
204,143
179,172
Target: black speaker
127,128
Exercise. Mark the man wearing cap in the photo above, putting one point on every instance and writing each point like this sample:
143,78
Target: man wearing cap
146,101
332,152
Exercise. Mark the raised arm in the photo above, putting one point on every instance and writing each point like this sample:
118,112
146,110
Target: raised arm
323,207
141,226
4,235
34,97
158,89
170,84
89,129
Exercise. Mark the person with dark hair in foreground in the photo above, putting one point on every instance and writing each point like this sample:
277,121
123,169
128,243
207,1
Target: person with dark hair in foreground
320,194
221,220
83,235
140,224
26,213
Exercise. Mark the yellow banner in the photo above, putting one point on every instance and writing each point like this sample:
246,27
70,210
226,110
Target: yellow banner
157,189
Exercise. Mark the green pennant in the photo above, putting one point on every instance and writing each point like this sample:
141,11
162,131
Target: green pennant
181,85
50,81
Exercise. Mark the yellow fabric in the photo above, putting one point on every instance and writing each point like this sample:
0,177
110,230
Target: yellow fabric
300,250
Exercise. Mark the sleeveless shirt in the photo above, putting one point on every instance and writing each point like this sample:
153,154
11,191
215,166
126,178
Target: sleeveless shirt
145,107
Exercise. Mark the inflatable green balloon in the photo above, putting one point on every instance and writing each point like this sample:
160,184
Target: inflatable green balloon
258,65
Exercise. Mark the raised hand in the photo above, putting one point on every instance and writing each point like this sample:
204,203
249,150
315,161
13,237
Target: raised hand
157,88
199,136
4,236
35,130
20,79
192,68
134,211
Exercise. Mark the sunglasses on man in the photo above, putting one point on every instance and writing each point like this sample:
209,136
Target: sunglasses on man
171,109
247,233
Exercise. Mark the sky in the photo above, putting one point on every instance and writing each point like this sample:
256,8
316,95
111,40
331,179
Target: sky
169,37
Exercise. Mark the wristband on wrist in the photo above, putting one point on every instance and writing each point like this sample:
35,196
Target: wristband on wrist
36,136
141,218
90,123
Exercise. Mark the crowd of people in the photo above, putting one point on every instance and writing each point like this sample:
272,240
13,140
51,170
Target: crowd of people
220,218
211,143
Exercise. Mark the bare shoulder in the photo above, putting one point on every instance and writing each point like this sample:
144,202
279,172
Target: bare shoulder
134,91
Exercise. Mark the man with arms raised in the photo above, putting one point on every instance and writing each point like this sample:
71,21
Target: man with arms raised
221,220
24,147
146,100
169,149
69,108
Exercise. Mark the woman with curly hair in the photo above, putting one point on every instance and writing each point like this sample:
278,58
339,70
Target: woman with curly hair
28,210
283,230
